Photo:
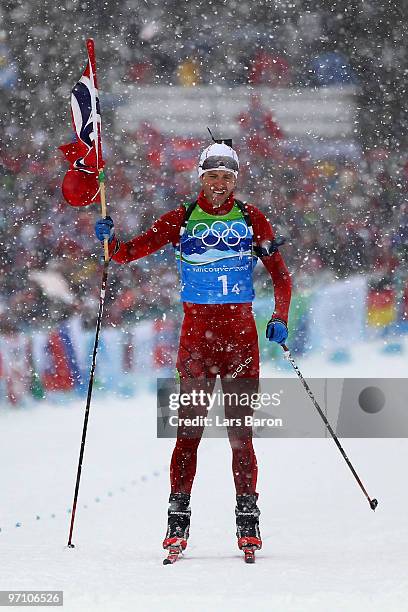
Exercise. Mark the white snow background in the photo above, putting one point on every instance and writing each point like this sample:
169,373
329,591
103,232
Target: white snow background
324,549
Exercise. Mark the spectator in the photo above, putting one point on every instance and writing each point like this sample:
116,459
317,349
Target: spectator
331,68
260,129
189,72
269,69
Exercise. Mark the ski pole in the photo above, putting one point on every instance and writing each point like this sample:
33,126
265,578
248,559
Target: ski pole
373,502
89,396
94,118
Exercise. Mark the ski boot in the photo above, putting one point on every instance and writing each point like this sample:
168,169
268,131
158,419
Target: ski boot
178,526
247,517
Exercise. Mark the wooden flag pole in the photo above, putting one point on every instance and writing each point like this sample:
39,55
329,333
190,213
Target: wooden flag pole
90,45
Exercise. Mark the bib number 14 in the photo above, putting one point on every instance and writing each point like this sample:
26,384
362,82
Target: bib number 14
235,288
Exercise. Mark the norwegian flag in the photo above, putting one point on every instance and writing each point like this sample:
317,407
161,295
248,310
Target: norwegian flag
80,186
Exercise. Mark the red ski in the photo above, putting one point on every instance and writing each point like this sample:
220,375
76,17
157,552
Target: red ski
173,555
249,545
175,547
249,554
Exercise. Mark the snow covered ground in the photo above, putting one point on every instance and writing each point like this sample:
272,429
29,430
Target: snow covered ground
324,549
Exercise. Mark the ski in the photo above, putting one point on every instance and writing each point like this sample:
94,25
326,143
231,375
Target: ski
173,555
175,547
249,554
248,545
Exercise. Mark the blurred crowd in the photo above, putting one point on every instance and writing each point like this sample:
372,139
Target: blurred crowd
340,216
213,42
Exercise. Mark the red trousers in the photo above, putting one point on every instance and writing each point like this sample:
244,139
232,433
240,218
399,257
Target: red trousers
228,347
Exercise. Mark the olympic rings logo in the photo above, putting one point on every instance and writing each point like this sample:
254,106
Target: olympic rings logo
219,231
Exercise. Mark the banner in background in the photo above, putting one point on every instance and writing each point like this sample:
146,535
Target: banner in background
55,360
381,306
15,375
338,314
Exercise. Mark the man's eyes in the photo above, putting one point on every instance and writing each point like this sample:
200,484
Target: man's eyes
215,176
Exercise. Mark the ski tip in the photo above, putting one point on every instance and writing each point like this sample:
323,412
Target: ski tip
249,555
172,557
170,560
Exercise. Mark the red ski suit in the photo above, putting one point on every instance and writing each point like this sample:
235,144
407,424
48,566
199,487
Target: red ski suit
215,339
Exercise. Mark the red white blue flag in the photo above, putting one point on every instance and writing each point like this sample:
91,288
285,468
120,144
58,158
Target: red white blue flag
80,186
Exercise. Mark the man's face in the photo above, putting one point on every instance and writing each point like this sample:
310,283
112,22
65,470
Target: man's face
217,186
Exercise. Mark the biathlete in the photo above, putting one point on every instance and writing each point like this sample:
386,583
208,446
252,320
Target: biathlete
217,240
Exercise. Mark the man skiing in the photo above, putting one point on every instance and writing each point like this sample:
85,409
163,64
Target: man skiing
217,241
